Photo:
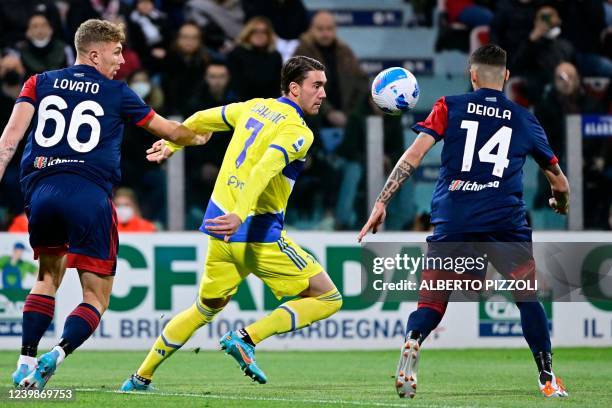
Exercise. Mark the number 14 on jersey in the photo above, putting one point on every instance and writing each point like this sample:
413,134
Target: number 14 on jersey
501,138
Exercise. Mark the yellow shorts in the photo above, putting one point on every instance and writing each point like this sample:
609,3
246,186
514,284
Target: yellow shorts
282,265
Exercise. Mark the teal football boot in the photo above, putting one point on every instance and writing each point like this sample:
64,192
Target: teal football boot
38,378
20,373
137,383
244,354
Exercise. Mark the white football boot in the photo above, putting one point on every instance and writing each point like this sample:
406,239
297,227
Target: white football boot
406,375
551,386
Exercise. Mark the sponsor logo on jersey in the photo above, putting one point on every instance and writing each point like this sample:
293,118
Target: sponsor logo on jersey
40,162
233,181
463,185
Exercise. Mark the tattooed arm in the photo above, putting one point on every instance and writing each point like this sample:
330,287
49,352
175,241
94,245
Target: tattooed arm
402,171
404,168
13,133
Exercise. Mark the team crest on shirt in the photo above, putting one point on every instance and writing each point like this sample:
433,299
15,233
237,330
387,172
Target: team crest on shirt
297,145
40,162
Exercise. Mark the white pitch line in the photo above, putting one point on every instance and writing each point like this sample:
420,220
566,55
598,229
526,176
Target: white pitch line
270,399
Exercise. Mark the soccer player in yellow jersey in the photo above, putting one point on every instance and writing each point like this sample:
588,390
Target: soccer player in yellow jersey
244,221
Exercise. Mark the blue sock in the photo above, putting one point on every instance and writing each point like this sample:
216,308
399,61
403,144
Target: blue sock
80,324
535,326
37,316
423,320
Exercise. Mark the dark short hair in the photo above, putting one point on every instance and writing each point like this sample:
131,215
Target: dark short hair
217,61
489,54
295,70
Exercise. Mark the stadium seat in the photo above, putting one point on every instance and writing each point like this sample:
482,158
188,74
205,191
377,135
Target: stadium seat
597,87
479,36
451,35
515,91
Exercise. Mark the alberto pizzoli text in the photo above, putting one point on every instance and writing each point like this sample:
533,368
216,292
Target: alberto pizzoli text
455,284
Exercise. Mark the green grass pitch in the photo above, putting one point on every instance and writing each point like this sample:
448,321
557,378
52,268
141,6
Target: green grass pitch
447,378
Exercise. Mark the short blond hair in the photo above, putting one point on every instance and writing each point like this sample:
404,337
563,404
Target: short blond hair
96,31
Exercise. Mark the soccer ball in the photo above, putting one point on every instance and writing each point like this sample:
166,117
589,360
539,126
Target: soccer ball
395,90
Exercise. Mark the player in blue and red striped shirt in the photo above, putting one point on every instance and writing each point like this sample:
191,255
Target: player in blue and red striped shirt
478,197
69,167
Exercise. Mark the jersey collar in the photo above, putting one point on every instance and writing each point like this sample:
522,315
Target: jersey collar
489,91
87,68
289,102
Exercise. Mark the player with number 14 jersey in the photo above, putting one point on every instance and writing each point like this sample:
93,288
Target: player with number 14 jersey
487,139
478,200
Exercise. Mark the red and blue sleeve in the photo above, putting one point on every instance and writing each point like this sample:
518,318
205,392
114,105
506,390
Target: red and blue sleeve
436,123
28,92
133,109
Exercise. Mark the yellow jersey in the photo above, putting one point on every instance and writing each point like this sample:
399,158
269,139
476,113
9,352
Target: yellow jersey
264,158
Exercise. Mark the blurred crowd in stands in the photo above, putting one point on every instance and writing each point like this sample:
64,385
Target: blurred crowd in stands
560,60
186,55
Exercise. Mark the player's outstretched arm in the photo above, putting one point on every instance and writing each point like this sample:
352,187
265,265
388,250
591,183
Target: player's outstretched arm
175,132
559,187
13,133
195,130
410,160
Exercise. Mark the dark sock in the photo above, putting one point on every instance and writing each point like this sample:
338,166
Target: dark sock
415,335
544,362
245,336
37,316
422,321
535,326
80,324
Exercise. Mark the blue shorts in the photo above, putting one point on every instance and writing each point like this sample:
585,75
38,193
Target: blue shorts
510,252
69,214
507,250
